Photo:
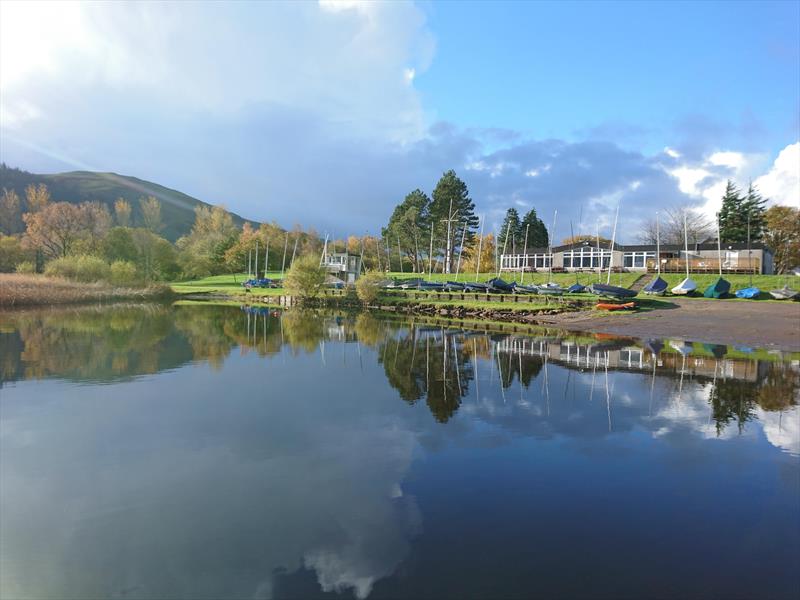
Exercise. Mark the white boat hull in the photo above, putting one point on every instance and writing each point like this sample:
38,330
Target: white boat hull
687,286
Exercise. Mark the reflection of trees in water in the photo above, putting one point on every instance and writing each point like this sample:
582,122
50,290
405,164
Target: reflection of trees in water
428,364
86,343
419,362
736,399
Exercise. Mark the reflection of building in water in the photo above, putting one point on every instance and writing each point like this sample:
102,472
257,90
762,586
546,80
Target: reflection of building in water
622,356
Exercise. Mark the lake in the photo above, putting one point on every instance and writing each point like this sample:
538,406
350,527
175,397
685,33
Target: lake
231,452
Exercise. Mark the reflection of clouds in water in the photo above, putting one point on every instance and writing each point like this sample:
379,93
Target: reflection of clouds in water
200,498
782,429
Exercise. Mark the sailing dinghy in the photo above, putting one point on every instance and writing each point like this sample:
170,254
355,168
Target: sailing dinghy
785,293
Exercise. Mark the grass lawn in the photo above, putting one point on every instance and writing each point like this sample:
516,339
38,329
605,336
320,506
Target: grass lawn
223,284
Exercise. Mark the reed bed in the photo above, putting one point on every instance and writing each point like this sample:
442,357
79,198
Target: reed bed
38,290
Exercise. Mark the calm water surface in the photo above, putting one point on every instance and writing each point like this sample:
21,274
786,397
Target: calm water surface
219,452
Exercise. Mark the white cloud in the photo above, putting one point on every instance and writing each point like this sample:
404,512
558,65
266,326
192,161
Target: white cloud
781,184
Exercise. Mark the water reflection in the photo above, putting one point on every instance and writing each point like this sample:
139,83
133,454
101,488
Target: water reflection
238,452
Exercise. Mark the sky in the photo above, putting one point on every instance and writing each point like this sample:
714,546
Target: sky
327,114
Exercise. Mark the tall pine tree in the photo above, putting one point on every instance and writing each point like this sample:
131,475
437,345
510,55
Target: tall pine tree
732,216
754,206
408,226
510,234
451,203
537,232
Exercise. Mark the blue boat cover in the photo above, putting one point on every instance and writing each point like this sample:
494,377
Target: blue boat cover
751,292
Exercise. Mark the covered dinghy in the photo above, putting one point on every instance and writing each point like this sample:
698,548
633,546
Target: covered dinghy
656,287
718,289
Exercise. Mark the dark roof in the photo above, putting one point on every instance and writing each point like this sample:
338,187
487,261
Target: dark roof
648,247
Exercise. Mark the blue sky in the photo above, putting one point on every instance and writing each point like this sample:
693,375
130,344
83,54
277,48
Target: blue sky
282,110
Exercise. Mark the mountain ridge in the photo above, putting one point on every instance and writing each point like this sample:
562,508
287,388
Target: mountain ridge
177,208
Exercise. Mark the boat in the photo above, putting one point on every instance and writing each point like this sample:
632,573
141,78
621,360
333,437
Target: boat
718,289
520,288
453,286
612,306
408,284
748,293
611,291
657,287
498,285
685,287
785,293
476,287
721,287
576,288
549,290
682,346
688,285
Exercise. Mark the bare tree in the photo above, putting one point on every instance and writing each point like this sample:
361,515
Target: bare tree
699,227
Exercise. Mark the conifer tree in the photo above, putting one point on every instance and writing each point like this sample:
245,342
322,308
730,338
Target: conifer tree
451,203
754,206
732,215
511,233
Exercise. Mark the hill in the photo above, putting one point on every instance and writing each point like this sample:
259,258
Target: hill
177,208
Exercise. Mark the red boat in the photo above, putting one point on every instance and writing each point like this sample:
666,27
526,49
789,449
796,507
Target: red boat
608,306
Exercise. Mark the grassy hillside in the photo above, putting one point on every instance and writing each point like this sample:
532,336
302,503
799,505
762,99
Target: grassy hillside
177,209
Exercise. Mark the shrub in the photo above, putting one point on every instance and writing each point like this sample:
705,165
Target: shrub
27,267
123,272
368,287
11,253
305,277
79,268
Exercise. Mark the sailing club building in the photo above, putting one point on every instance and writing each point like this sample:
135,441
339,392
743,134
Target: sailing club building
589,256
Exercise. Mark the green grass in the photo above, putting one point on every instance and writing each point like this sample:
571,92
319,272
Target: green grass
223,284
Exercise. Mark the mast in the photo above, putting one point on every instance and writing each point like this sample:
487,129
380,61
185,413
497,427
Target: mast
430,254
461,250
686,243
266,260
399,253
599,255
550,247
505,243
658,246
749,251
524,255
572,233
719,248
613,240
285,246
480,247
256,258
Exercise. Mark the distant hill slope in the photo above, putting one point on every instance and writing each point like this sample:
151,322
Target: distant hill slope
177,209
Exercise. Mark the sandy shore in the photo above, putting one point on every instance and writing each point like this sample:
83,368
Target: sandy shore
770,325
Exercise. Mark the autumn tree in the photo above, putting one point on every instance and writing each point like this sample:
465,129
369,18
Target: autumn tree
10,212
782,236
151,213
54,229
122,212
202,252
37,197
483,263
305,277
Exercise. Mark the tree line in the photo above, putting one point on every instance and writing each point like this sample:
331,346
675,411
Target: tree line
87,241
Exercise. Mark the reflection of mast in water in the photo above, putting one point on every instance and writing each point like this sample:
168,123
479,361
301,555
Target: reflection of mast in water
713,391
458,375
594,372
546,385
413,348
444,367
475,366
680,383
608,396
652,385
500,371
322,350
427,364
